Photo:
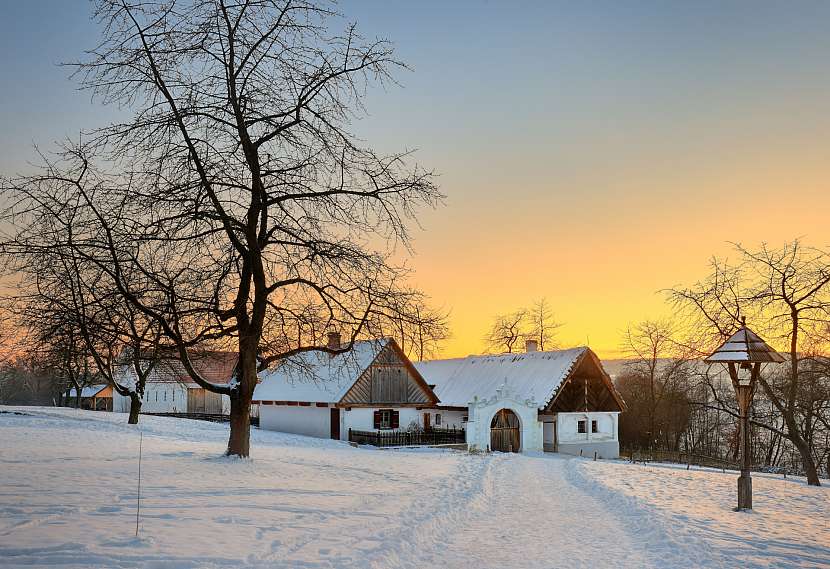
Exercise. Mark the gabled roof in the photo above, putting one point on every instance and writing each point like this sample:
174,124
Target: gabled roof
536,375
319,377
214,366
744,346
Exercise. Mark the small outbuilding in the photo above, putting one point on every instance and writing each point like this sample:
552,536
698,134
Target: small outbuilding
93,397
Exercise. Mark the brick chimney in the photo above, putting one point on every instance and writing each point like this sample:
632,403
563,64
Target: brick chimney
333,341
531,346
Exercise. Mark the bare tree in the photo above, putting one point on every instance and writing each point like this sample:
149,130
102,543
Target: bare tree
235,206
507,330
534,323
542,324
655,380
784,292
418,328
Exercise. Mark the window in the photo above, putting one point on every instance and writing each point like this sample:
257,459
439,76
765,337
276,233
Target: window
594,426
464,419
157,395
386,419
582,426
437,419
165,395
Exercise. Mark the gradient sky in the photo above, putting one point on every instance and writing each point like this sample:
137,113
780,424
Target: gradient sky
592,152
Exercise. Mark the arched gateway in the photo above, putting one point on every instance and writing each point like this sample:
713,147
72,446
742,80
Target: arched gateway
505,435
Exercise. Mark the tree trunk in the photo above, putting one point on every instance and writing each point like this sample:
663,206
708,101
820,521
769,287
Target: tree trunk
239,442
135,408
807,460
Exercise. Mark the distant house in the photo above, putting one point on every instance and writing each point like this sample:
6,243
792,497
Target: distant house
555,401
373,386
170,389
93,397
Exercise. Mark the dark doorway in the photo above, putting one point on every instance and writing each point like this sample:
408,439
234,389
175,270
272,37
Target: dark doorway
335,423
504,432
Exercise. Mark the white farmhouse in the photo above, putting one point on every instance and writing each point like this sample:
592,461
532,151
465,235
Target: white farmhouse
555,401
372,387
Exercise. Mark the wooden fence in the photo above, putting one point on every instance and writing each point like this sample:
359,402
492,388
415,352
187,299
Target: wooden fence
408,438
212,417
682,457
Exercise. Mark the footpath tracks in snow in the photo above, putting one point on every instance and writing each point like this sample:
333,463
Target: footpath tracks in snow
525,513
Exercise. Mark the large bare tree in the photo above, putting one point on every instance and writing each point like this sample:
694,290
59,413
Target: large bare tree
784,293
235,205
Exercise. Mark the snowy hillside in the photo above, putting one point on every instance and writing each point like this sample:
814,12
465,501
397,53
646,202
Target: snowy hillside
68,490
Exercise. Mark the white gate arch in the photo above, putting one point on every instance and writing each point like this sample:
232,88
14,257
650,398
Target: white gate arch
482,411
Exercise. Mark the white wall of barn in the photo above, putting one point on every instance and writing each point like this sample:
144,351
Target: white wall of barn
162,397
158,398
309,421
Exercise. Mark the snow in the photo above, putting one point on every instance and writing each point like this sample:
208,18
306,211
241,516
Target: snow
531,375
317,376
68,490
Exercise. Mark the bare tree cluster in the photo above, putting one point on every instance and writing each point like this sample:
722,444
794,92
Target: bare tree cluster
234,207
509,331
785,295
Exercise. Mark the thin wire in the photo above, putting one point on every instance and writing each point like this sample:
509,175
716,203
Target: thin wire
138,494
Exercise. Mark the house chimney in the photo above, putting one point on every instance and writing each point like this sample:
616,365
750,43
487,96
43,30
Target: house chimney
333,340
531,345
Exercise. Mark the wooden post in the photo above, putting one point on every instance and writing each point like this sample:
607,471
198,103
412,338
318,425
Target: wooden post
744,396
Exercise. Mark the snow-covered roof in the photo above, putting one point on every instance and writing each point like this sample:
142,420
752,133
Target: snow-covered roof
317,376
90,391
535,375
744,346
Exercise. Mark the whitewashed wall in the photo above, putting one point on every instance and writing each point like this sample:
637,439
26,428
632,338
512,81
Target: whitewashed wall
170,397
362,418
309,421
449,419
605,442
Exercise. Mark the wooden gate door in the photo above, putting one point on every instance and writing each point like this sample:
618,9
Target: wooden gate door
196,400
213,402
427,425
504,432
335,423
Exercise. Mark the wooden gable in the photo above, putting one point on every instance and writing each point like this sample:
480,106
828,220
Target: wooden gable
391,379
587,388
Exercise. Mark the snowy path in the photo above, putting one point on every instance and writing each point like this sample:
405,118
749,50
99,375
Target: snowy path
529,515
67,499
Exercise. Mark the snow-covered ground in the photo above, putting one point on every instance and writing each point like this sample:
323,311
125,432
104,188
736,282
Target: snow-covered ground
68,494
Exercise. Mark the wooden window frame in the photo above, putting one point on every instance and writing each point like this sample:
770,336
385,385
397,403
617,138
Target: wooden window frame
594,426
582,427
385,419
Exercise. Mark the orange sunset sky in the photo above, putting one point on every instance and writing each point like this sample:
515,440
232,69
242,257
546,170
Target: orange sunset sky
591,153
